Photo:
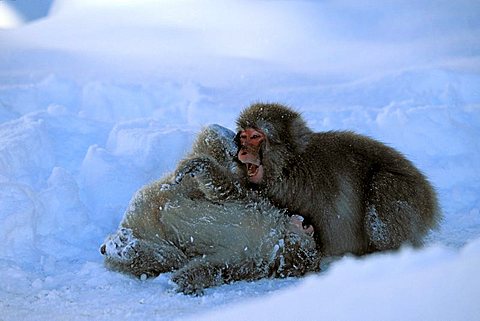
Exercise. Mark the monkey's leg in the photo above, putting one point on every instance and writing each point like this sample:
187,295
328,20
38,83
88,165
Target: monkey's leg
393,211
124,253
202,273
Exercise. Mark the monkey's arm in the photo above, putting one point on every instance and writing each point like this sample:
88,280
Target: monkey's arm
215,181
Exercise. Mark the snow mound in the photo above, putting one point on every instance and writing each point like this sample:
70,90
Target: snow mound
103,97
433,284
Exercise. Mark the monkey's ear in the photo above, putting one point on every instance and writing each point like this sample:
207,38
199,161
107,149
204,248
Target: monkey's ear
299,133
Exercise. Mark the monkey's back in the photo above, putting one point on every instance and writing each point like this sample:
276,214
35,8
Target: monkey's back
241,230
361,158
349,182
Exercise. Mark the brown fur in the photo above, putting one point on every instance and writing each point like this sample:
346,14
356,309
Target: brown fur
360,195
206,228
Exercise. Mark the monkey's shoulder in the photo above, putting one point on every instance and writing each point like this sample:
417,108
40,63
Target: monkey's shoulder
351,151
351,143
342,138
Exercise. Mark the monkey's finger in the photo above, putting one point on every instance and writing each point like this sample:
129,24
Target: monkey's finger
182,173
308,230
179,177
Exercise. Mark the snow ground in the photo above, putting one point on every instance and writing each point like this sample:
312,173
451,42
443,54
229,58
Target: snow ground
102,97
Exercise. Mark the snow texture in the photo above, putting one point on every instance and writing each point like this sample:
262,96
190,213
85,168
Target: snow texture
103,97
378,228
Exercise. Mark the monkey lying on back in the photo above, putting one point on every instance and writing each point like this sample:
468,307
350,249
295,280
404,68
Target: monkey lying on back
203,233
360,195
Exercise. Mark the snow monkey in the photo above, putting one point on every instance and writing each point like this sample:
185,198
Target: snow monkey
208,230
360,195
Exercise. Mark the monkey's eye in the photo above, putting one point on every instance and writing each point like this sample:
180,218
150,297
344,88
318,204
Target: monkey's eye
243,136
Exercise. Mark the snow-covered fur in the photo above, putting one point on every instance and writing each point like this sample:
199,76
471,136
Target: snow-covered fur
208,233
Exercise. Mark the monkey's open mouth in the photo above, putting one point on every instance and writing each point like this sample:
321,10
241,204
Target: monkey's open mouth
252,169
255,172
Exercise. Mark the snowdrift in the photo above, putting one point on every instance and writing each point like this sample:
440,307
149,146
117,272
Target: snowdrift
100,98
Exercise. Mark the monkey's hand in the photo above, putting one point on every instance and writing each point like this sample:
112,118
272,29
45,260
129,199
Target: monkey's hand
215,181
194,167
120,246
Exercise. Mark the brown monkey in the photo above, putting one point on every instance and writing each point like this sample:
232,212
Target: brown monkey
206,228
360,195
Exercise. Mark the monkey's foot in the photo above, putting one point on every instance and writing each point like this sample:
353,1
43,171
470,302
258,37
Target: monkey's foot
195,278
120,246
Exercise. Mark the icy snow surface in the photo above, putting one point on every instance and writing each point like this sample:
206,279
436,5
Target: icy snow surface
102,97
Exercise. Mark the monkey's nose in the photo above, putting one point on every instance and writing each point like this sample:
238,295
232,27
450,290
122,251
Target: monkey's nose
103,249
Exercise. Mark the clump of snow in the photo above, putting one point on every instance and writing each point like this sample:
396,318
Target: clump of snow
378,229
100,98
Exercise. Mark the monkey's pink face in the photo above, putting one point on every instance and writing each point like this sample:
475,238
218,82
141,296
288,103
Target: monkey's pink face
251,141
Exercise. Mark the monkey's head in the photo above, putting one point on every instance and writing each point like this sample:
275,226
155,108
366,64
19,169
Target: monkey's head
218,142
268,137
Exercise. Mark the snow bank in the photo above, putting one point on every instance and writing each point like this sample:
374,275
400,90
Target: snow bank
434,284
103,97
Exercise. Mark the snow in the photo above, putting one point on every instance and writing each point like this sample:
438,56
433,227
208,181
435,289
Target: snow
8,17
100,98
375,289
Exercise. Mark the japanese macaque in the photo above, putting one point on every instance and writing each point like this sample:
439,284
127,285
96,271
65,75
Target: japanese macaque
202,225
360,195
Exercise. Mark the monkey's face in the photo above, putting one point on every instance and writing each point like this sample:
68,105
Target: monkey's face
250,143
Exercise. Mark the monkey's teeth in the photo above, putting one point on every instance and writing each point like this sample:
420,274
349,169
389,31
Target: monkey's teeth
252,169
